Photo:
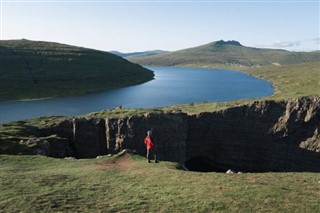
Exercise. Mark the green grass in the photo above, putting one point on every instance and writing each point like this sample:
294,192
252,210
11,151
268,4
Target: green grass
33,69
291,81
196,108
120,113
129,184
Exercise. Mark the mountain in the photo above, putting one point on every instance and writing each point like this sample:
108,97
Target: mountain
139,54
37,69
227,53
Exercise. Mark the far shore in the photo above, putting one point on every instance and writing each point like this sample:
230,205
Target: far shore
34,99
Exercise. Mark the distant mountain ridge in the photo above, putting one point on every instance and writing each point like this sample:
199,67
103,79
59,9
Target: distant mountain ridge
138,54
227,53
38,69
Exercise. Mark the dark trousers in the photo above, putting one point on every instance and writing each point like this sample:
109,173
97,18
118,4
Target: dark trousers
151,153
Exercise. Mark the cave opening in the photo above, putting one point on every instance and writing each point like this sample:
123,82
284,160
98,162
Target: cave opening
202,164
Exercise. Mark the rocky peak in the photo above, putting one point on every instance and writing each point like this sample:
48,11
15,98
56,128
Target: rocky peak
224,43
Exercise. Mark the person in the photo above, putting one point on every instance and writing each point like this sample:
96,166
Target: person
149,142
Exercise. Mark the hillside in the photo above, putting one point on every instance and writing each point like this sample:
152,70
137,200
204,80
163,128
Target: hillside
227,53
36,69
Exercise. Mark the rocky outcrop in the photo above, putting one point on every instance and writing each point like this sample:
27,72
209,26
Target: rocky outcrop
261,136
85,136
49,146
313,143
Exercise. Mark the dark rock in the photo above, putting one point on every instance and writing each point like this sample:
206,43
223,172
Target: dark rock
50,146
231,42
169,132
64,129
262,136
89,137
60,148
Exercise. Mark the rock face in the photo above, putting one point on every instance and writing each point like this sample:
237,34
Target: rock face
169,132
89,137
261,136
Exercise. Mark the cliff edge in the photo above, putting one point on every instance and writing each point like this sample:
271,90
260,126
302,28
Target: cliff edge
258,137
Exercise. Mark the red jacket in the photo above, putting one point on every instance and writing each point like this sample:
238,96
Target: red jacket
149,143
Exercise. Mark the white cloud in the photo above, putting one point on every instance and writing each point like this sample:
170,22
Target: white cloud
315,40
307,44
284,44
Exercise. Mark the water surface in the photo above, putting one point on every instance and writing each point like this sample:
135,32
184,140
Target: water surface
172,85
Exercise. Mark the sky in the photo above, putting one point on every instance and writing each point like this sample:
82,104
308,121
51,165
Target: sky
131,26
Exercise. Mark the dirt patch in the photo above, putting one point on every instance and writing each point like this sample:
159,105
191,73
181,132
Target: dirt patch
121,161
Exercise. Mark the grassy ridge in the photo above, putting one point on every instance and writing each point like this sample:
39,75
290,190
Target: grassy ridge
31,69
230,53
128,183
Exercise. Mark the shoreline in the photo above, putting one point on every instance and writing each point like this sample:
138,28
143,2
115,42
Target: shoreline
33,99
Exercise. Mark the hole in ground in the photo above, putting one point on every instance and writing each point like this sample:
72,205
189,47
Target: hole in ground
202,164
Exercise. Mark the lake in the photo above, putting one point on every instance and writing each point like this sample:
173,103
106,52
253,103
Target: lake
172,85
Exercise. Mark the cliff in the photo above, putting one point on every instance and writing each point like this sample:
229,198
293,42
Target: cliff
262,136
258,137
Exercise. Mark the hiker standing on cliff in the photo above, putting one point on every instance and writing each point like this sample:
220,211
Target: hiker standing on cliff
150,147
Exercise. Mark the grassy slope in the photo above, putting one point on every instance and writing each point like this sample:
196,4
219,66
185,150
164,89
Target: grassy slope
290,81
129,184
223,54
31,69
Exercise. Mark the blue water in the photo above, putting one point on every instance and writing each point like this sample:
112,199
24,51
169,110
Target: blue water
172,85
